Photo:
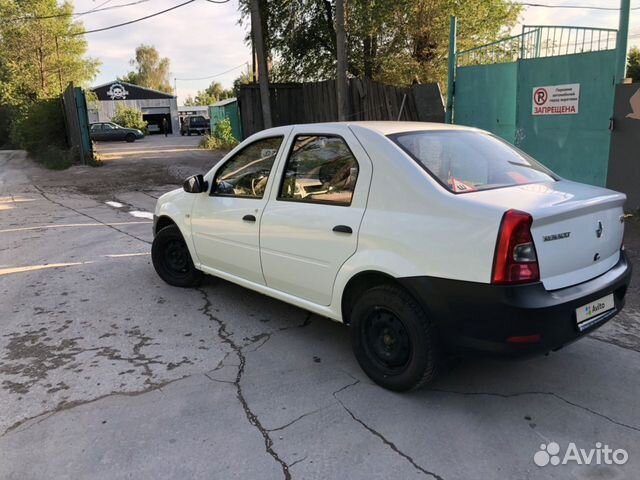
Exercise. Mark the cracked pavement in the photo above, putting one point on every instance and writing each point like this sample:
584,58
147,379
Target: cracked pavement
108,373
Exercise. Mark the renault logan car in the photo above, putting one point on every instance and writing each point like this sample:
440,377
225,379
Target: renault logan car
424,238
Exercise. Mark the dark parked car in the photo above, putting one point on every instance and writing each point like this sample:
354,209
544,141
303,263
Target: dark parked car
104,131
195,124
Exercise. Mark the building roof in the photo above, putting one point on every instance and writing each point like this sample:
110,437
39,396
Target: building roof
224,102
106,91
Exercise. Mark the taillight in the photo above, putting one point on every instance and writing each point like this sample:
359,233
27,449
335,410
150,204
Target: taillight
515,259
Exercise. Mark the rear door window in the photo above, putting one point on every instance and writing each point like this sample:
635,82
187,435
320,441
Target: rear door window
467,161
320,169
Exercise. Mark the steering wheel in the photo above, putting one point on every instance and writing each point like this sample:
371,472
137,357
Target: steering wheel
253,187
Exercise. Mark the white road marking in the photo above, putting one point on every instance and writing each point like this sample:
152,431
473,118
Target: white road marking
111,203
141,214
31,268
72,225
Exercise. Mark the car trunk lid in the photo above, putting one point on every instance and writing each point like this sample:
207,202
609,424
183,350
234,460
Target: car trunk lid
577,229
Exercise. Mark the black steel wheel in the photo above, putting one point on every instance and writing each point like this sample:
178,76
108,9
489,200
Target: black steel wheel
171,259
393,339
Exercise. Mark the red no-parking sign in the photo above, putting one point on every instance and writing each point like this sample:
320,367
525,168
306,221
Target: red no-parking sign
556,100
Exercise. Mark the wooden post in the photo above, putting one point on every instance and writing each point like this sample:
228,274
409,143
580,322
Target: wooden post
341,53
263,72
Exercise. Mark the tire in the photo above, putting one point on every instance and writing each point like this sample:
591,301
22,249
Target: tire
189,132
393,339
130,138
171,259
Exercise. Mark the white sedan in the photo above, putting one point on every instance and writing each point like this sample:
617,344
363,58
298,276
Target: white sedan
424,238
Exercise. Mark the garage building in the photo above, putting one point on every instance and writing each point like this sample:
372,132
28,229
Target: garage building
153,104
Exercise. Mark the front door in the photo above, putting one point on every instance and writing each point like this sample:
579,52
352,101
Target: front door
225,224
310,226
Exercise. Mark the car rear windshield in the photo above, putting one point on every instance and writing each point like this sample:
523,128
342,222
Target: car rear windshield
468,161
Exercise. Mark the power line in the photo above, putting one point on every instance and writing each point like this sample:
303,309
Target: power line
78,14
212,76
582,7
131,21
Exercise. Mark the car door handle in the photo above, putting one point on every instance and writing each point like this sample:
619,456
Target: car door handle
249,218
342,229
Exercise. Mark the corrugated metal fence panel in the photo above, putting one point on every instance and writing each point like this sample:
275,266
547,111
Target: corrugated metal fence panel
574,146
624,158
485,97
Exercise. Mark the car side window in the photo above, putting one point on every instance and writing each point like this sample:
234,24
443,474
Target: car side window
246,174
320,169
107,126
96,127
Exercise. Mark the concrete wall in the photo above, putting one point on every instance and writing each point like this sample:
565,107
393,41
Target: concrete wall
624,157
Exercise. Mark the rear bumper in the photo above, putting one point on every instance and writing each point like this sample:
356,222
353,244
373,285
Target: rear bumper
476,317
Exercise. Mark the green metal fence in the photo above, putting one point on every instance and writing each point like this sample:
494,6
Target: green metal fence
495,84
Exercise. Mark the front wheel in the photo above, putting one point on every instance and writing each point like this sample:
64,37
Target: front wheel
393,339
130,138
171,259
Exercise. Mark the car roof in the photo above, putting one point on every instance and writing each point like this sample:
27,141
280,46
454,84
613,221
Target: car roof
384,127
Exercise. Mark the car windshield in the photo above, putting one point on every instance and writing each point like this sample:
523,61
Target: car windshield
468,161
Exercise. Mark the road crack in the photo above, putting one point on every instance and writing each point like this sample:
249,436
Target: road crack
550,394
384,440
253,419
55,202
64,406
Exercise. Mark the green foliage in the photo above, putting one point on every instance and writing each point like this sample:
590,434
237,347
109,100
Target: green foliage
210,95
243,79
633,66
129,117
393,41
39,126
151,71
222,137
39,58
39,129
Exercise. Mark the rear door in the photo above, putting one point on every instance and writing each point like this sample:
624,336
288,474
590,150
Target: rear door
96,132
225,223
310,226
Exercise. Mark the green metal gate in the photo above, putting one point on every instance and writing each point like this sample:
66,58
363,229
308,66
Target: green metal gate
568,72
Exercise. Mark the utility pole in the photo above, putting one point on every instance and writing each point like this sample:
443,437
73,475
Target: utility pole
341,54
623,33
263,72
451,73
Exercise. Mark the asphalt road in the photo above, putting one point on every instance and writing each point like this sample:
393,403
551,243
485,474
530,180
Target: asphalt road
108,373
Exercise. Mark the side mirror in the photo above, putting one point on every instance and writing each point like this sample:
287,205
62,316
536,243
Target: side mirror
195,184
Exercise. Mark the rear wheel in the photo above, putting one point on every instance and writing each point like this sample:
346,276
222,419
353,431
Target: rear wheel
130,138
393,339
171,259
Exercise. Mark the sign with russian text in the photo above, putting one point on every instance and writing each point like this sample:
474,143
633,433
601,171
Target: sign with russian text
556,99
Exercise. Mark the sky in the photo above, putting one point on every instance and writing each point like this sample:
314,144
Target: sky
203,39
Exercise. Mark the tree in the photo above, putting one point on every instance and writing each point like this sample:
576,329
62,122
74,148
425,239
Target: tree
129,117
209,95
38,58
633,65
151,71
393,41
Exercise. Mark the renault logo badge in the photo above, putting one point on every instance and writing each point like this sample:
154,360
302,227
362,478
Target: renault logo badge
599,230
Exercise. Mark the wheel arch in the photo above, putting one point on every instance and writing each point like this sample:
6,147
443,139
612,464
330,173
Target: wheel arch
362,282
163,221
